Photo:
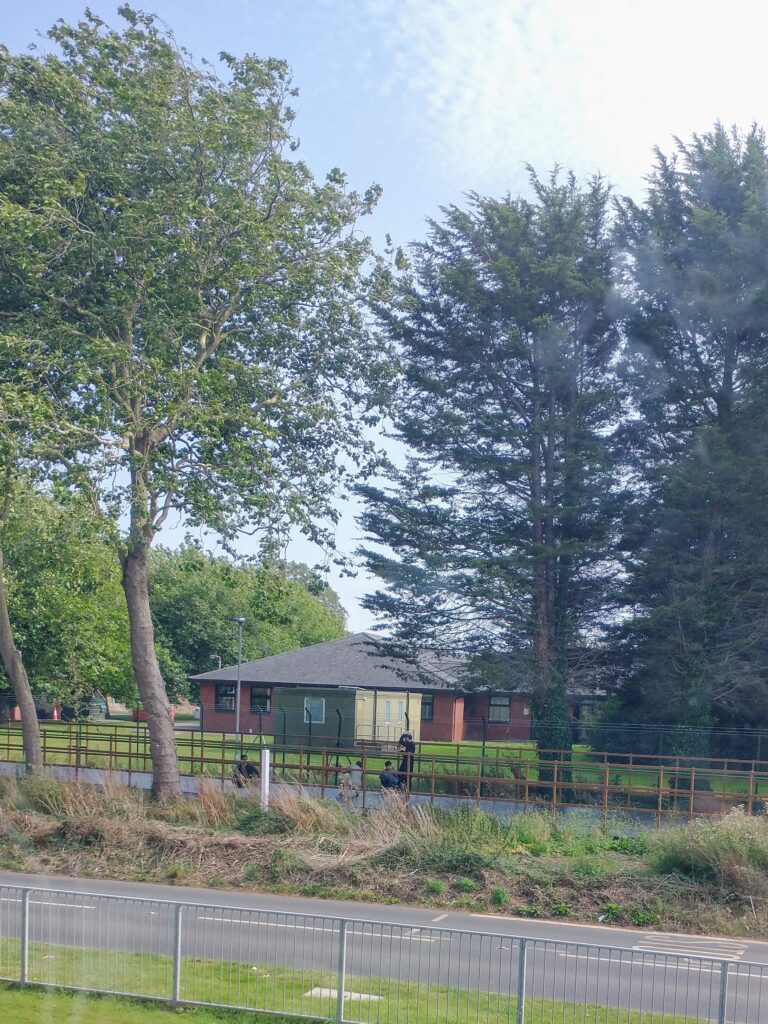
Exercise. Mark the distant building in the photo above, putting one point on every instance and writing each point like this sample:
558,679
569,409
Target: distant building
354,690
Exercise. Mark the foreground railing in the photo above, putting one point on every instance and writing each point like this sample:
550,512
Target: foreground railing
321,967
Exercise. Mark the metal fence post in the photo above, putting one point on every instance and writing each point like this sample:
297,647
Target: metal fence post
177,922
24,972
342,972
521,981
723,992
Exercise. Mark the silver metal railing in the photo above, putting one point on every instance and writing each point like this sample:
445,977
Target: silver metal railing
357,972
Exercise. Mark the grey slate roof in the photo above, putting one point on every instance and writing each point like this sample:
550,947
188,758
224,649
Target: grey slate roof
358,660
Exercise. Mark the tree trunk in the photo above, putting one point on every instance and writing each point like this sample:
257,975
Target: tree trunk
14,667
165,765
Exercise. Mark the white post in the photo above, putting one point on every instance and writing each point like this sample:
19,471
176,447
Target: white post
24,937
265,767
177,926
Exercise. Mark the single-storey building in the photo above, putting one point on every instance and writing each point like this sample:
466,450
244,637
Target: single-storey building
353,690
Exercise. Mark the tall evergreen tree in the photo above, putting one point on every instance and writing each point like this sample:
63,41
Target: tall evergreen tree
495,539
697,281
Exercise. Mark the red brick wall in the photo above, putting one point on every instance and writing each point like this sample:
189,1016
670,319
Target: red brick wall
476,707
224,721
448,721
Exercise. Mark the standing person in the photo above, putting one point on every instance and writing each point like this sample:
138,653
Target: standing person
408,748
350,786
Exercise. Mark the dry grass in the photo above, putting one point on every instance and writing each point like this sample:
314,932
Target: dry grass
703,877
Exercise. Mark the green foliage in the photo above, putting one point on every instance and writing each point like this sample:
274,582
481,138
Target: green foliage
508,339
256,822
561,910
731,851
643,918
466,885
499,896
44,794
65,598
194,596
435,887
612,912
694,651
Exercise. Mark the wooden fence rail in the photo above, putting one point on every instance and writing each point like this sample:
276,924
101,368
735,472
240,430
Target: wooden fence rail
507,776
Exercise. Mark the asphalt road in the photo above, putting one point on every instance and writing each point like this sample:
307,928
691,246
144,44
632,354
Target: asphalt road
575,963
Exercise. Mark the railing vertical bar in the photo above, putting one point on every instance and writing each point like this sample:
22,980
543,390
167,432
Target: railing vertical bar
24,972
521,967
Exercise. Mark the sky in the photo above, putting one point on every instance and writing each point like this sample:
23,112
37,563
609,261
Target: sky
436,98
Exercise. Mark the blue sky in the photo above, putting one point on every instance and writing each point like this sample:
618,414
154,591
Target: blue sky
434,98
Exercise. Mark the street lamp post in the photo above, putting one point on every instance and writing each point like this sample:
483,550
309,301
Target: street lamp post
240,622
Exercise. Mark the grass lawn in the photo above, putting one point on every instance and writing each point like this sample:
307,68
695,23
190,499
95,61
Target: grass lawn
267,988
39,1006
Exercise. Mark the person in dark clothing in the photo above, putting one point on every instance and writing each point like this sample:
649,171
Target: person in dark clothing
243,772
408,749
389,778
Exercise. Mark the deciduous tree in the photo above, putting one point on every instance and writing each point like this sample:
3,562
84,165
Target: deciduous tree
209,283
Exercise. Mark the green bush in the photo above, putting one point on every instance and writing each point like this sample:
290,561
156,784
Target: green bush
466,885
731,851
611,912
435,887
561,910
256,822
642,918
43,794
499,896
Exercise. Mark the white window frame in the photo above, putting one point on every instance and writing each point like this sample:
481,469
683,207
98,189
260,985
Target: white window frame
316,719
401,711
387,712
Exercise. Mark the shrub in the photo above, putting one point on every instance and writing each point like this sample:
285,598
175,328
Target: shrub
435,887
533,832
466,885
642,918
499,896
611,912
731,850
256,822
561,910
43,794
592,867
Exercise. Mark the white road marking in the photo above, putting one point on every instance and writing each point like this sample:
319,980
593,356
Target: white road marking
692,946
440,917
47,903
320,928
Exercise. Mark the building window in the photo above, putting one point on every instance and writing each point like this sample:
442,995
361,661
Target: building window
400,710
261,700
314,710
427,707
498,709
387,712
224,697
526,711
